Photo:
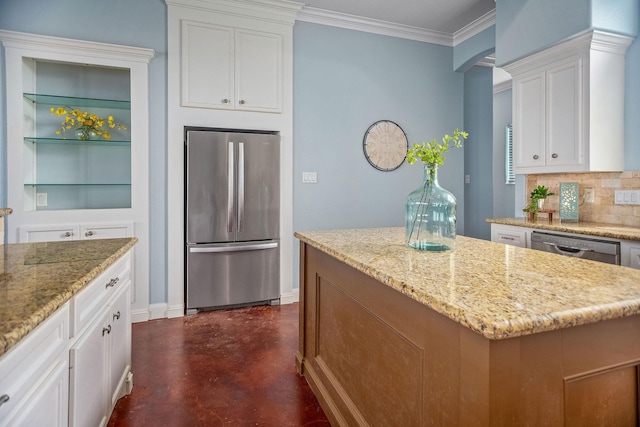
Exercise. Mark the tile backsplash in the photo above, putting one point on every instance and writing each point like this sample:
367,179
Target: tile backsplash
604,185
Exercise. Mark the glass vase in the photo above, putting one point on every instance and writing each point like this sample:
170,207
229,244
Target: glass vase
86,133
430,218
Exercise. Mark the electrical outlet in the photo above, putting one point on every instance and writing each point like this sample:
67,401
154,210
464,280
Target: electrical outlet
41,199
467,179
589,195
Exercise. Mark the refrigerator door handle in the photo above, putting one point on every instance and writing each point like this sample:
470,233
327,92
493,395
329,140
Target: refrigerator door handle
235,248
230,189
240,186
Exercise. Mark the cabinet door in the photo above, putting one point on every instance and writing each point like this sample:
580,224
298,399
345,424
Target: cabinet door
258,71
105,231
564,114
207,65
119,343
88,376
47,406
529,120
48,233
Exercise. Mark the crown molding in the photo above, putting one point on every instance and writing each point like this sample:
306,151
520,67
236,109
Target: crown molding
59,45
502,86
475,27
385,28
358,23
279,11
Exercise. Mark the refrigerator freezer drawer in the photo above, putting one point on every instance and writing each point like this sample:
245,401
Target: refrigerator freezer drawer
222,275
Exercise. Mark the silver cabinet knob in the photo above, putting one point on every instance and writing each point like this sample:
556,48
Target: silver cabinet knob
4,398
112,283
242,102
225,101
554,156
89,233
536,157
67,234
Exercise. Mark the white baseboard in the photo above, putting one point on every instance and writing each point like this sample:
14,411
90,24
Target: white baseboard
294,296
158,311
139,316
175,311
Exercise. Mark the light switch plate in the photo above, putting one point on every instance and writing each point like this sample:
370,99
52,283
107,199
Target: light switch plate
589,195
309,177
627,197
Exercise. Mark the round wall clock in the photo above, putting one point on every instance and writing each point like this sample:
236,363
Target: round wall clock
385,145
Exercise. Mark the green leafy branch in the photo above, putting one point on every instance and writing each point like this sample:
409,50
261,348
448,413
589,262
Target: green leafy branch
432,152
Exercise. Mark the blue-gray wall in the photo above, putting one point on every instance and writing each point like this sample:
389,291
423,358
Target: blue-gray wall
141,23
478,152
344,81
503,194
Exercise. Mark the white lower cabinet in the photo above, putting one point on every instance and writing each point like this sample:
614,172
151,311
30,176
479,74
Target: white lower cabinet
53,233
73,367
100,354
514,236
34,376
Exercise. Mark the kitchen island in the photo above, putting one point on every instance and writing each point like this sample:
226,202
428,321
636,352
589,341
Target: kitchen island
485,335
65,331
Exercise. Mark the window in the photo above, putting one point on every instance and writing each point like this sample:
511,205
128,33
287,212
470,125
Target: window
508,158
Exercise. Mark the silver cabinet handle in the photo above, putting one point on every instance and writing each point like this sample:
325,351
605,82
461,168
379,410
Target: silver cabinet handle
240,186
554,156
240,248
230,185
536,157
107,330
89,233
112,283
67,234
225,101
116,316
242,102
3,399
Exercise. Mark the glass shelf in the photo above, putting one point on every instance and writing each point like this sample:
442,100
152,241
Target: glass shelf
89,143
76,185
71,101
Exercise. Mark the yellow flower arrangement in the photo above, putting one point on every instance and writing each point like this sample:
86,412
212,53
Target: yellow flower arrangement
88,126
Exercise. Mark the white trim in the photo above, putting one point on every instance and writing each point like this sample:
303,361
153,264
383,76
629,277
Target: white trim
502,86
475,27
175,311
59,45
358,23
290,298
158,311
385,28
140,315
278,11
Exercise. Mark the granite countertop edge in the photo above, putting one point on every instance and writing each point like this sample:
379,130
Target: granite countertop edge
492,327
10,339
5,211
612,231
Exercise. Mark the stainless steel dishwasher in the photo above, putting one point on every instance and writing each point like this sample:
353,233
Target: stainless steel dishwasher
579,247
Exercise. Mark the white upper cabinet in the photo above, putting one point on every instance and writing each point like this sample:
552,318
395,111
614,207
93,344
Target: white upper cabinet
568,106
230,68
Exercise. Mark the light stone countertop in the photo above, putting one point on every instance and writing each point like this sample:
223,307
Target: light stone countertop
5,211
497,290
38,278
613,231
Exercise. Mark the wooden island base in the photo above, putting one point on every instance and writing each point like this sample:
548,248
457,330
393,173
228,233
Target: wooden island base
376,357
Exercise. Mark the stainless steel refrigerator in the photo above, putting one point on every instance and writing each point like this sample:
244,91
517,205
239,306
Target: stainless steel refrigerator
232,218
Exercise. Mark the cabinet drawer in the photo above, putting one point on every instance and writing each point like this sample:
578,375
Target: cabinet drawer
89,302
509,236
106,231
48,233
24,370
